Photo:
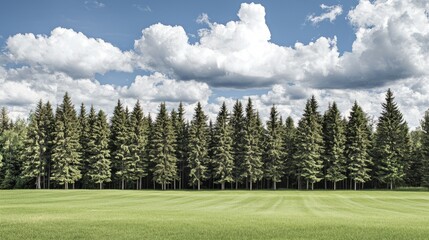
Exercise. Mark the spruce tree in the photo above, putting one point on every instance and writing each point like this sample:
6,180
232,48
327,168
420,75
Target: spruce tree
181,143
274,164
222,148
289,133
5,123
34,164
83,142
198,147
391,143
162,153
334,143
65,156
425,150
237,123
308,145
48,128
357,146
119,140
137,166
252,162
98,148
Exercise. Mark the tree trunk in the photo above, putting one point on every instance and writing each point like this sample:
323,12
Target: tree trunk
326,184
275,185
250,185
287,182
307,184
236,184
312,186
141,182
199,185
299,182
355,186
174,185
73,185
391,185
38,181
122,184
66,185
101,185
335,185
223,186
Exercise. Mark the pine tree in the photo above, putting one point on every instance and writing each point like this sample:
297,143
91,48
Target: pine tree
65,154
48,128
309,145
162,153
425,150
290,164
274,164
198,147
210,154
127,166
138,162
252,162
237,123
98,148
179,126
391,143
222,150
5,123
119,137
334,143
83,142
34,164
357,146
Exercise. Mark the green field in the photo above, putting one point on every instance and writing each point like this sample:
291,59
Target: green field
115,214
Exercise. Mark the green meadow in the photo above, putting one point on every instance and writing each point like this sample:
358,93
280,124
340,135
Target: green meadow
116,214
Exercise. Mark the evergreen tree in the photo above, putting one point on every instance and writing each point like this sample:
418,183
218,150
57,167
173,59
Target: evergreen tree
198,147
34,164
119,139
83,142
5,123
181,143
252,162
137,166
162,152
222,150
98,148
65,154
391,143
334,143
274,164
309,145
415,171
48,128
237,123
357,146
290,164
425,150
211,165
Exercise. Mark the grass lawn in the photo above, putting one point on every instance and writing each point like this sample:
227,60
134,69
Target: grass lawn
116,214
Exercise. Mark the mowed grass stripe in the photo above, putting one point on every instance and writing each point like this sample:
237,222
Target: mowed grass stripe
115,214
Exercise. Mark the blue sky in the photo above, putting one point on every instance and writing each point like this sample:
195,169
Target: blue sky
277,52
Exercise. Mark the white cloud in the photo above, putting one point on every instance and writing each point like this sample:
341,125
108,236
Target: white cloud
331,13
68,51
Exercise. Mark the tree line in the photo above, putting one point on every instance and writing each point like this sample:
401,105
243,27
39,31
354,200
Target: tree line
83,149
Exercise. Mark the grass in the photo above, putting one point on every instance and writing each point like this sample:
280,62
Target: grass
115,214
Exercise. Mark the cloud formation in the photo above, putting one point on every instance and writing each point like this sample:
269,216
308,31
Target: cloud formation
331,13
67,51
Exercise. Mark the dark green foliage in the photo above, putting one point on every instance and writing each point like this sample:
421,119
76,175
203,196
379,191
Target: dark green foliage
417,166
425,150
237,123
274,164
65,156
391,144
162,153
358,146
222,148
252,152
334,143
84,131
5,123
308,143
198,147
181,143
35,147
289,133
98,148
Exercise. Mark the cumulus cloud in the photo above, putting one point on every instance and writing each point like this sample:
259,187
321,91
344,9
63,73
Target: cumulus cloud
67,51
331,13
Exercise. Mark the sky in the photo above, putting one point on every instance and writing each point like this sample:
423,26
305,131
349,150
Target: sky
275,52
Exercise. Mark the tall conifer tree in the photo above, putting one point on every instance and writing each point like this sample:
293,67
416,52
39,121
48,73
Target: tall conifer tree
65,157
237,122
